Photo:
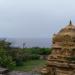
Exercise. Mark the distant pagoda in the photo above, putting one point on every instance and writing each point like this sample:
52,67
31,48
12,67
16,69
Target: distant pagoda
62,59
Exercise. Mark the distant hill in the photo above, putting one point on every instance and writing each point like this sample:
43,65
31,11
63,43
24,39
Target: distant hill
30,42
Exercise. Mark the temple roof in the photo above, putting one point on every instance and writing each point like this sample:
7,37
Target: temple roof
70,25
69,29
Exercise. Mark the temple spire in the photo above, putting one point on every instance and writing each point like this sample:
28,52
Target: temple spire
70,22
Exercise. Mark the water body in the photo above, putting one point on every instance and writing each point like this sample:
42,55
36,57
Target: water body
30,42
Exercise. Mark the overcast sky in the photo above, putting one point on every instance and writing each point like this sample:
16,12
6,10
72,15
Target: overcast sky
34,18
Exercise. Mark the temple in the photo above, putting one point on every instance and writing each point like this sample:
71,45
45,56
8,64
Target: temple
62,59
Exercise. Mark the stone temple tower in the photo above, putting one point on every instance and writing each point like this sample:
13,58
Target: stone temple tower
62,59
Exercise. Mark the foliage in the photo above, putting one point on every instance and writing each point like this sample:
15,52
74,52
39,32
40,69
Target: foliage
6,60
11,57
37,50
30,65
34,56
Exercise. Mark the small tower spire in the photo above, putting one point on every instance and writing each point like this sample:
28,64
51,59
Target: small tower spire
70,22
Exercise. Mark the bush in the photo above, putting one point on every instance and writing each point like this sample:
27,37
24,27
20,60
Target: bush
6,61
34,56
41,51
19,62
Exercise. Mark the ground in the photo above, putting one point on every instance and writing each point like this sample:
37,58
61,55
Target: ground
30,65
28,68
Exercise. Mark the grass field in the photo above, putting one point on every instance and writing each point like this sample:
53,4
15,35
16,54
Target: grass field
31,65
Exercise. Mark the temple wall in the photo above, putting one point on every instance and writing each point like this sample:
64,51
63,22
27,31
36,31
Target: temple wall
64,72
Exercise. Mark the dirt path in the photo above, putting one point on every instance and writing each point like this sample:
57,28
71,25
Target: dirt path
22,73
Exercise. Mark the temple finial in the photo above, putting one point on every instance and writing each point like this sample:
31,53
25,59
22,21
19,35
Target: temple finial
70,22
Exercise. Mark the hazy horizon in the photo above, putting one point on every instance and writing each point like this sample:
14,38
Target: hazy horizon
30,42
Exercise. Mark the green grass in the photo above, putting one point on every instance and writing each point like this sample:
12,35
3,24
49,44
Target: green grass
30,65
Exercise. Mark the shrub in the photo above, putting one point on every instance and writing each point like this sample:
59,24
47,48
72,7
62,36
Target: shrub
34,56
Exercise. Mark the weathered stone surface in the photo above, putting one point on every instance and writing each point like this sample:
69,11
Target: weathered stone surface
62,59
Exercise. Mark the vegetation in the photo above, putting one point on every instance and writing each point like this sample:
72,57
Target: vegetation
30,65
16,57
5,59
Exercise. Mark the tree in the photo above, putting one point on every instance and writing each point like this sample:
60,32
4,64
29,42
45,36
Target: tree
6,60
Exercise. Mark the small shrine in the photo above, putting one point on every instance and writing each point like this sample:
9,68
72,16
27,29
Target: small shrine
62,59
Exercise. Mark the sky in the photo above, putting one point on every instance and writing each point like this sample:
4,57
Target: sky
34,18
